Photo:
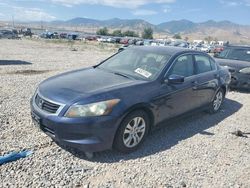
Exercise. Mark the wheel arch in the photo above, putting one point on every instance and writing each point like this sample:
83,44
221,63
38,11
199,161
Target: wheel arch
143,107
224,88
138,107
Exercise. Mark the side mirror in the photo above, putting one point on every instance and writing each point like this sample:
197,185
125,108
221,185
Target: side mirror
175,79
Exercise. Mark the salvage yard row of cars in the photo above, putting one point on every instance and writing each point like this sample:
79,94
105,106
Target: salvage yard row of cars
116,103
208,48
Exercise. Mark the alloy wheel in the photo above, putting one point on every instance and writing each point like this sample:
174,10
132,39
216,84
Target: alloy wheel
218,100
134,132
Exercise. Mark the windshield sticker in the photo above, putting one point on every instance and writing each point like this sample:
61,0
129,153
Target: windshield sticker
143,72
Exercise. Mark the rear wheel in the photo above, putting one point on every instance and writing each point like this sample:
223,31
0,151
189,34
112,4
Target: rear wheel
217,101
132,132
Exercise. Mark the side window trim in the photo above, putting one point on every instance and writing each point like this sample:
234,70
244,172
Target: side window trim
214,62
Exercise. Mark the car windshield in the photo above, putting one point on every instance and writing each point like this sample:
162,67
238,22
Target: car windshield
137,63
235,54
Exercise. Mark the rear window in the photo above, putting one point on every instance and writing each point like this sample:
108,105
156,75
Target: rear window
236,54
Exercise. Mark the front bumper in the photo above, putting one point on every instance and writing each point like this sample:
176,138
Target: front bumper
90,134
239,80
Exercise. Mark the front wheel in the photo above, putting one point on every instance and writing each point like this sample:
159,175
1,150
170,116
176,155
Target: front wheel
217,102
132,132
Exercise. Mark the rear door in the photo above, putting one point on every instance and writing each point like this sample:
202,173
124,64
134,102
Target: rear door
207,78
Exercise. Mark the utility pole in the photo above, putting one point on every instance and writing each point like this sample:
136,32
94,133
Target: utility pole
41,25
13,23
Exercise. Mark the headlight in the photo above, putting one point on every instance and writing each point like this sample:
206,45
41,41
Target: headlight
93,109
245,70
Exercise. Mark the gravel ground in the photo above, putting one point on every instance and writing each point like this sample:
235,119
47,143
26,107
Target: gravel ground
196,151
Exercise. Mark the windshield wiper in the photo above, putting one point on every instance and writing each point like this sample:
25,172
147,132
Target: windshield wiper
120,74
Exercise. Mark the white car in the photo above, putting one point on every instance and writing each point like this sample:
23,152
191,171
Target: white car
204,49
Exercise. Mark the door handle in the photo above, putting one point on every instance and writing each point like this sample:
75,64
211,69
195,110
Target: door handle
216,75
194,84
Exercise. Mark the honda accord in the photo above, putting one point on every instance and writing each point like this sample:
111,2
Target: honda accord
117,102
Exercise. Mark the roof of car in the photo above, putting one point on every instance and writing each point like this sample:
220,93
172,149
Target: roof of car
237,46
170,50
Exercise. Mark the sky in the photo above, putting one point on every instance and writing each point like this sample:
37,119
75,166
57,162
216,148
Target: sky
153,11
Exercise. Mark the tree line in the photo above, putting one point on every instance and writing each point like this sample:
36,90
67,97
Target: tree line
146,34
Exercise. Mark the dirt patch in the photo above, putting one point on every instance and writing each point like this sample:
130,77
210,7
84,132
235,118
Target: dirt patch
29,72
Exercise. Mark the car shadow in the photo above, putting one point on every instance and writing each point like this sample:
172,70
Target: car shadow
241,90
14,62
168,134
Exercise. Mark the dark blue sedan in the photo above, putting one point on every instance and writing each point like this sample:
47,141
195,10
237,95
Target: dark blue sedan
116,103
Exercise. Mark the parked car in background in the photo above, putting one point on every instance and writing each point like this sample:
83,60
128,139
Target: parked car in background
183,45
102,39
132,41
63,35
117,39
179,43
8,34
217,49
205,48
72,36
26,32
139,43
117,102
237,60
147,42
91,38
124,41
49,35
111,40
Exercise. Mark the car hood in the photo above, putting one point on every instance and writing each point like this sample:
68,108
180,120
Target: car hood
233,63
68,87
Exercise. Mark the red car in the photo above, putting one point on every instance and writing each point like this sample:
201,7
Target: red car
217,49
124,41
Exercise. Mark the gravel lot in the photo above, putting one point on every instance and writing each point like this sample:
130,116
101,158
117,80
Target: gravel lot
196,151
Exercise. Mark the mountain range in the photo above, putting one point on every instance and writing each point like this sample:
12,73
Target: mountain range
221,30
177,26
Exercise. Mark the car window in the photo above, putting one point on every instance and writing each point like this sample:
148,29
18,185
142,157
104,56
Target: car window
203,64
240,54
213,64
183,66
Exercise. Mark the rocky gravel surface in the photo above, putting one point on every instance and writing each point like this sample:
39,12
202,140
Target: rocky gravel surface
195,151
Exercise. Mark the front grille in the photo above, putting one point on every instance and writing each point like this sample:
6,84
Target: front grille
46,105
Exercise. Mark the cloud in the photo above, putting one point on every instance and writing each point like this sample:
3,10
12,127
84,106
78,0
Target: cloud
247,3
166,8
230,3
67,5
144,12
31,14
24,13
132,4
235,3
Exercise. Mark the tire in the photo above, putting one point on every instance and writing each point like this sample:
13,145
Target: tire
128,138
217,102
